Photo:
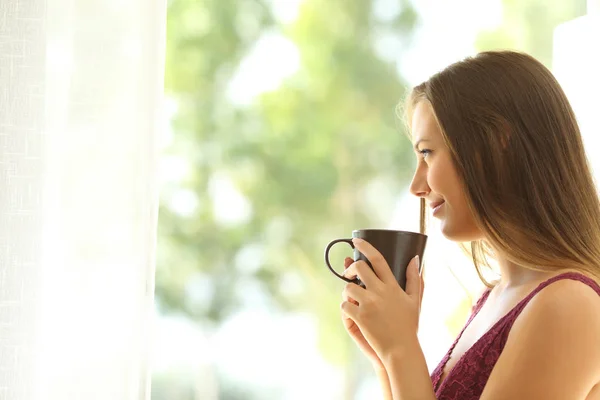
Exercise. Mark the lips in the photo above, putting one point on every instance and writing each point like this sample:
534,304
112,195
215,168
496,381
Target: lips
437,206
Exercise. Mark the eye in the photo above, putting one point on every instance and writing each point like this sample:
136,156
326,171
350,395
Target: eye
425,152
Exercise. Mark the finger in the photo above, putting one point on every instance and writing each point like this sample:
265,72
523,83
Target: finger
413,280
381,267
354,292
364,273
422,293
350,299
350,310
346,297
422,288
348,262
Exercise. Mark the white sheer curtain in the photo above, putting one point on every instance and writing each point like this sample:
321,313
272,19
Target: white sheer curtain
80,101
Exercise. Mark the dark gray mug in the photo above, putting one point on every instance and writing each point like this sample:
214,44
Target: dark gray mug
397,247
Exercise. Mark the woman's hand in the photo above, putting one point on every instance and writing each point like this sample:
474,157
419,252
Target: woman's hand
354,331
386,317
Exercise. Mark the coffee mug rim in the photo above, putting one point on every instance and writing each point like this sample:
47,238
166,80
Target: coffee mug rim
389,230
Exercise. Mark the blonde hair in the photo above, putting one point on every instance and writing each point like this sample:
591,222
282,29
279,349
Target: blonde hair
516,144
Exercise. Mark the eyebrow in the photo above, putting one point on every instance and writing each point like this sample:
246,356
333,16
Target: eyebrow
416,146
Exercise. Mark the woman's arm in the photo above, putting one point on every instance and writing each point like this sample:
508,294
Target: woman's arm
408,374
384,382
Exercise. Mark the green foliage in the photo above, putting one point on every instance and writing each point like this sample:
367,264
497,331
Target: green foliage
301,156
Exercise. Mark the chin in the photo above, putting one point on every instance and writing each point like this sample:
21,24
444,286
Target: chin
459,232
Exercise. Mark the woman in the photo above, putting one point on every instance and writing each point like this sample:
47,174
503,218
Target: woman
501,160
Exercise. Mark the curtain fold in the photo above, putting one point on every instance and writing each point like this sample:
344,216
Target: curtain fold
81,88
22,86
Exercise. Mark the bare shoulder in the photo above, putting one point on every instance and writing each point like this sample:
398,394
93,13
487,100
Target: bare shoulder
552,351
566,298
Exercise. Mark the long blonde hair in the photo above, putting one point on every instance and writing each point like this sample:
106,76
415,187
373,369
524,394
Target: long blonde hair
516,144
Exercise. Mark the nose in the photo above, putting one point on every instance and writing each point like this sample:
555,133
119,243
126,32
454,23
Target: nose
419,186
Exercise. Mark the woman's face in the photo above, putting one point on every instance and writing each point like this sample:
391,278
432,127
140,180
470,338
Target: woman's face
436,179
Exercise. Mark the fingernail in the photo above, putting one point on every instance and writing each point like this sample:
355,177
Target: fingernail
417,262
357,240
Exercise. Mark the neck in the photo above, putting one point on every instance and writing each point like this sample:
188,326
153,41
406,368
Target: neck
513,275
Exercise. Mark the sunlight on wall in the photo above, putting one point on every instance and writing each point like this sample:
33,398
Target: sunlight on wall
576,67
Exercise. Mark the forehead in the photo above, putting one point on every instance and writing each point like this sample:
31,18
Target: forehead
424,126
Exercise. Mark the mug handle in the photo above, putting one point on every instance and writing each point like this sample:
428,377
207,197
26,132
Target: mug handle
329,246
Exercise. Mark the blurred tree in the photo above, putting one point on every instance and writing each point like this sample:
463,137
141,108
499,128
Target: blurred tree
270,182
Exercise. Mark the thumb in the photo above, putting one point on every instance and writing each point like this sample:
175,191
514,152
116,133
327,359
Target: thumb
413,280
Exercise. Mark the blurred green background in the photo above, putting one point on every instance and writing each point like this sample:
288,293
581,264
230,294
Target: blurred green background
282,135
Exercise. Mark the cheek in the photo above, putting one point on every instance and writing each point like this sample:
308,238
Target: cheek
454,188
442,179
445,182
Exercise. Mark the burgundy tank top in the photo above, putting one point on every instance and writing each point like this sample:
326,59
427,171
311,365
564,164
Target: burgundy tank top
469,375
